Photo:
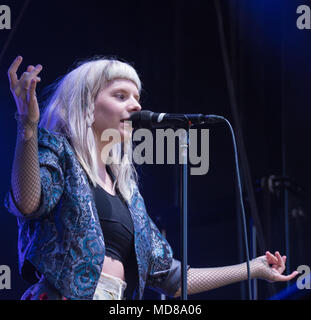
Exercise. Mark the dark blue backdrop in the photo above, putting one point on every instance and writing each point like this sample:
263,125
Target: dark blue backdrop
175,47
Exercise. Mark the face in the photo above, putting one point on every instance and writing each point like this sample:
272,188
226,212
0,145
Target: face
114,104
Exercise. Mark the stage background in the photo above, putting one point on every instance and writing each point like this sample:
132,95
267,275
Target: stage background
176,48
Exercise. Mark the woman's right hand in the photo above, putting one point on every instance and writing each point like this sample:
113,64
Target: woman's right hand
24,89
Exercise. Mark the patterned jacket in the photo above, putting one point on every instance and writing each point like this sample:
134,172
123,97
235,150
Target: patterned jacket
63,239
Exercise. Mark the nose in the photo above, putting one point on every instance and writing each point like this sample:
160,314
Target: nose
135,106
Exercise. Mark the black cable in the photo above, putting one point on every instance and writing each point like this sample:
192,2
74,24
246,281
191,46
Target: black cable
216,117
234,109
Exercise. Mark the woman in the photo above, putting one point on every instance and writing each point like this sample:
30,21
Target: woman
83,227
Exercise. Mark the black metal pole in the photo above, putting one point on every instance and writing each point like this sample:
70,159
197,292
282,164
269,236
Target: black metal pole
184,138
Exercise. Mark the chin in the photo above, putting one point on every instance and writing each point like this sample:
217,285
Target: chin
126,134
127,137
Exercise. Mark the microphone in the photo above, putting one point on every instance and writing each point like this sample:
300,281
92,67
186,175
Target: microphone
148,119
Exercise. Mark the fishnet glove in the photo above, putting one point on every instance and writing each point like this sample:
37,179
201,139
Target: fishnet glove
204,279
26,183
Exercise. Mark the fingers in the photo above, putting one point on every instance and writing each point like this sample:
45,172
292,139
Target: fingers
276,258
280,277
22,86
36,70
12,71
33,74
279,259
31,93
278,266
30,68
30,74
271,258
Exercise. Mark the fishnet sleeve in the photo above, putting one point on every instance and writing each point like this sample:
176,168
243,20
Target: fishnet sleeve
204,279
25,180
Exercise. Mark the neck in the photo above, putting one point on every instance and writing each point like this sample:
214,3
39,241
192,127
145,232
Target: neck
102,156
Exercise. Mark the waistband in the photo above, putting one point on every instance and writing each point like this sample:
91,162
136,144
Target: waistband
109,288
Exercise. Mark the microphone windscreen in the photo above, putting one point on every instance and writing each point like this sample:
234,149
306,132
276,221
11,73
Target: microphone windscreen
141,119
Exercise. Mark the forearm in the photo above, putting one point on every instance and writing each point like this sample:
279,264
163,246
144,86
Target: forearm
204,279
26,183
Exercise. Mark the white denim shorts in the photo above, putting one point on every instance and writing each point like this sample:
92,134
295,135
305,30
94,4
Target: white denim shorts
109,288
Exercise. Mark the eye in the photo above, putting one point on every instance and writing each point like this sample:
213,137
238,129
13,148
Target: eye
119,95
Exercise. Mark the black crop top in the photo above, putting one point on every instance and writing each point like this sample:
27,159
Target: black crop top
116,223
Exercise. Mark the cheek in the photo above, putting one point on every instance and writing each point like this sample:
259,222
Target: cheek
99,117
105,118
103,112
101,120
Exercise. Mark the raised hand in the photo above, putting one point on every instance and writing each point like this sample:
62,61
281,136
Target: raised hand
24,89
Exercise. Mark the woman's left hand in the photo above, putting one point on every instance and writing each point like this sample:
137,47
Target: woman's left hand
270,267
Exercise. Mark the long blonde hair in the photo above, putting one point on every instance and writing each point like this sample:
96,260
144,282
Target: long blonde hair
69,110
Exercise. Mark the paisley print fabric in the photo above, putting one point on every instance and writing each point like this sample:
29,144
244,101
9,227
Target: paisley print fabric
63,241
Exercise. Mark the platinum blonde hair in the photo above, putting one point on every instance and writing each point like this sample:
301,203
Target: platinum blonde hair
70,111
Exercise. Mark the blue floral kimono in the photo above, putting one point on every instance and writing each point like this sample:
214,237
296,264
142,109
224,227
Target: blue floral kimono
63,240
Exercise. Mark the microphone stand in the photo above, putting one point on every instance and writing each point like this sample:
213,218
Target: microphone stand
184,139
